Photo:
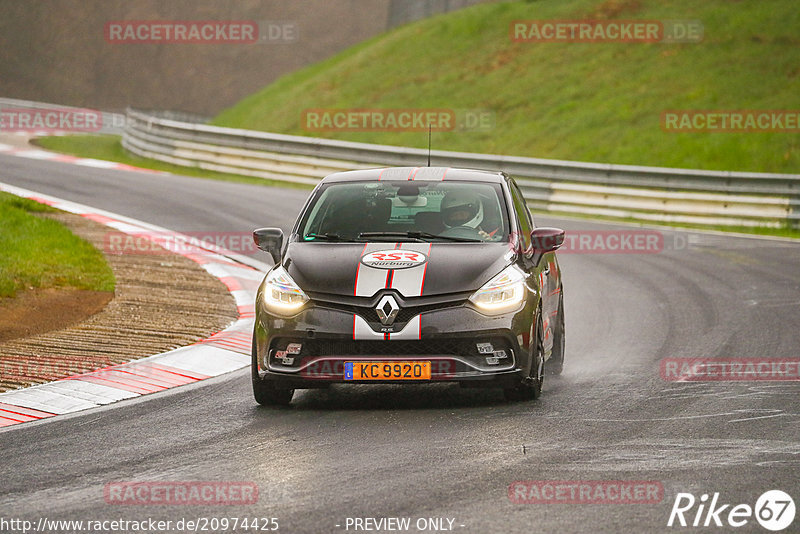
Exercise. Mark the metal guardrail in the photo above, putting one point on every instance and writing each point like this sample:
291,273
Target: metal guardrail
622,191
112,122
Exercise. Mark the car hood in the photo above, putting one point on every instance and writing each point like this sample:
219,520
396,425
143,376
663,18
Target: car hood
413,269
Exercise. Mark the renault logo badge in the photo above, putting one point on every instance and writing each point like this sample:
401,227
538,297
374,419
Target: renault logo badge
387,310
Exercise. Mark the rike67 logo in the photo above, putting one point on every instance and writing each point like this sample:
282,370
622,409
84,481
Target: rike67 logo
774,510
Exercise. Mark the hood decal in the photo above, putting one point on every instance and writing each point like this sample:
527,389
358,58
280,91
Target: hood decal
408,280
393,259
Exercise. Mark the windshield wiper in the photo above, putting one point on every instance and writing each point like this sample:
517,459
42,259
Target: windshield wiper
371,235
328,236
422,236
428,235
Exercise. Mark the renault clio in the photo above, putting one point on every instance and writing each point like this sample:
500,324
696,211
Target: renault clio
409,275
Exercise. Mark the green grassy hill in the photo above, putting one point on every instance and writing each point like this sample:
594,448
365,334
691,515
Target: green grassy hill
598,102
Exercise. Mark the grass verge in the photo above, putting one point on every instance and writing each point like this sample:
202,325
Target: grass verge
596,102
42,253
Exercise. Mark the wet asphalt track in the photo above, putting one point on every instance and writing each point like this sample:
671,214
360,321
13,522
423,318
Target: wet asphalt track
441,451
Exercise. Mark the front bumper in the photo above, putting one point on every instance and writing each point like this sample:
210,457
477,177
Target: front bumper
310,349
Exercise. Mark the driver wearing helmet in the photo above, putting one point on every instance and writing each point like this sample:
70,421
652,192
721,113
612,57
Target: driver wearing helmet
464,209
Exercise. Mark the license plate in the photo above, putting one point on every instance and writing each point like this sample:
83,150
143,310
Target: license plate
387,370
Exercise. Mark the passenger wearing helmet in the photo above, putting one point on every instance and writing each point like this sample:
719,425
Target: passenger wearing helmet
464,210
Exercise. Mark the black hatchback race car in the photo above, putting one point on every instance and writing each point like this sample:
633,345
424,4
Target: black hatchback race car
413,275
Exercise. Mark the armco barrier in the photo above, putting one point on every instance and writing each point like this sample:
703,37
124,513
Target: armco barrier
623,191
112,122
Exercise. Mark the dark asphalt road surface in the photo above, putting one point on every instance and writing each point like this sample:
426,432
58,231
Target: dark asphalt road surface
441,451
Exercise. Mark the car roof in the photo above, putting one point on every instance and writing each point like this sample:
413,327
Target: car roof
415,173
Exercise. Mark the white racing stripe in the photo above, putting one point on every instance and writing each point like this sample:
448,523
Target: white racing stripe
397,173
429,174
368,279
409,282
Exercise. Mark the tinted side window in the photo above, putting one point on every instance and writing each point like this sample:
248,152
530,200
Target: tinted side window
523,216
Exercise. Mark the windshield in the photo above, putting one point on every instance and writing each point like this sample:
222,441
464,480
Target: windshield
406,210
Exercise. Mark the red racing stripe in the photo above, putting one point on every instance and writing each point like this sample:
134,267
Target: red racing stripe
358,268
390,272
425,269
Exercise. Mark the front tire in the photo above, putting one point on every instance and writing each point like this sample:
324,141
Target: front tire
266,392
530,388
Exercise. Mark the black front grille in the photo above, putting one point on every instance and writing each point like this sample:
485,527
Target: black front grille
409,307
388,348
369,314
344,348
463,351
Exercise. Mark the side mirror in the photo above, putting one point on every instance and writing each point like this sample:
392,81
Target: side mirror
546,239
269,240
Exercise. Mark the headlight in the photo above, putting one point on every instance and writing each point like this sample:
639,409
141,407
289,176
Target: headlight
502,293
281,294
